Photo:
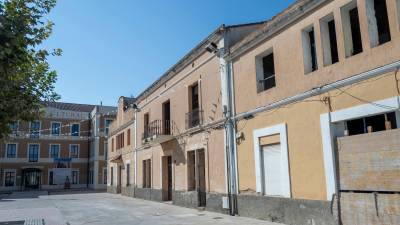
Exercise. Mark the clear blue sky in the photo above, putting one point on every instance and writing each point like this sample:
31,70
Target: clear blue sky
119,47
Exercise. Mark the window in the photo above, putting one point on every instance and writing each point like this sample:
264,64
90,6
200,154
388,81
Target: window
33,152
309,50
11,151
128,174
54,151
351,29
329,41
74,151
51,178
146,122
265,71
14,127
371,124
9,179
120,140
55,128
128,137
34,129
194,97
378,22
112,176
112,144
105,176
75,175
105,151
107,126
75,129
147,173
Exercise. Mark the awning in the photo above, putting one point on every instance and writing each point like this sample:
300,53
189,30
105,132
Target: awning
116,159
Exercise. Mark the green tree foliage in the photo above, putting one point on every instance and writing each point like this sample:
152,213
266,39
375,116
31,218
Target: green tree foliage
26,79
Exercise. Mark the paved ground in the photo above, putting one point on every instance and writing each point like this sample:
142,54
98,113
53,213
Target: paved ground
106,209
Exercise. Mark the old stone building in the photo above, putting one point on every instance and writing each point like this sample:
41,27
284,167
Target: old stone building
64,148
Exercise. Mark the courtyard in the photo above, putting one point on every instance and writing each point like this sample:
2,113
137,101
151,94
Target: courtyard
103,208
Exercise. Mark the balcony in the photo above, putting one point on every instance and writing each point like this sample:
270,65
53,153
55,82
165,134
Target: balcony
194,119
159,131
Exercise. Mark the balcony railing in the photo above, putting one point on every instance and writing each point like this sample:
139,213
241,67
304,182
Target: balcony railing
194,118
159,128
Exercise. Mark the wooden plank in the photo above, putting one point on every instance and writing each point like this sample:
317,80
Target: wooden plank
360,208
370,162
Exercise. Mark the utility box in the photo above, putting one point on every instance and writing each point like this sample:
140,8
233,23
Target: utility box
225,203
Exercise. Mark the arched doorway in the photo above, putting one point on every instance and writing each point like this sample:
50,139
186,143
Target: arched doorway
31,178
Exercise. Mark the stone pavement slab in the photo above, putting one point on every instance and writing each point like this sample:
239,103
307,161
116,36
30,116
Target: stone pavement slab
110,209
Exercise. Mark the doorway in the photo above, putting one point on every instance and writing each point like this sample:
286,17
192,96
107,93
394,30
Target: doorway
272,170
32,179
197,175
167,178
119,177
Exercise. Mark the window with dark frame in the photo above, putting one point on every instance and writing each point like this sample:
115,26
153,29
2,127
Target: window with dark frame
107,126
268,72
376,123
9,179
55,128
33,153
11,150
75,129
54,151
34,129
74,151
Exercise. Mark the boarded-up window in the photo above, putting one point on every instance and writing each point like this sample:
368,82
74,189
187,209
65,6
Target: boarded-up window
146,173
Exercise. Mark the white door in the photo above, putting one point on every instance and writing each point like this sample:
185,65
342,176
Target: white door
272,170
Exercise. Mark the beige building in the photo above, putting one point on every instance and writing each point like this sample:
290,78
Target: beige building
292,120
169,141
308,87
64,147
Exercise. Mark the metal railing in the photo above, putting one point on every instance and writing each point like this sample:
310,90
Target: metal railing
159,127
194,118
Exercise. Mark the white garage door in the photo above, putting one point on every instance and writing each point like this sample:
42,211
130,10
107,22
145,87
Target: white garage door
272,170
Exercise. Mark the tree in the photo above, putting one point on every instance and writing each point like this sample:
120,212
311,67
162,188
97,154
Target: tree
26,79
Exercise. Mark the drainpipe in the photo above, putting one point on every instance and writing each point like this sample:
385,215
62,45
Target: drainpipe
88,153
230,137
135,149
